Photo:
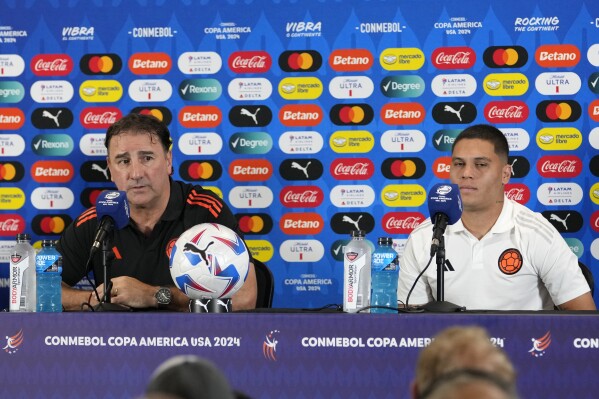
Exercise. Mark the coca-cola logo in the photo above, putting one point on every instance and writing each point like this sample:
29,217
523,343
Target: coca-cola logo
454,58
352,169
402,222
517,192
99,117
506,111
51,65
595,221
559,166
11,225
301,197
250,61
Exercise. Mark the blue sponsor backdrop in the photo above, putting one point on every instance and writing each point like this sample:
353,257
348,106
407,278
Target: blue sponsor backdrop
290,39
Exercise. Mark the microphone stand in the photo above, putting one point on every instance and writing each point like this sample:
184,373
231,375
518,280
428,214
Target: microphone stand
107,257
441,305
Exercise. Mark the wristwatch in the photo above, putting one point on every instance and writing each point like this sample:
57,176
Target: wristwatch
163,296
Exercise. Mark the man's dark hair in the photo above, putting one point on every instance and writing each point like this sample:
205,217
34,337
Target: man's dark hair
488,133
138,123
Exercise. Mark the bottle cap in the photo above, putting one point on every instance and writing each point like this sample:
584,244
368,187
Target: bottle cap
47,243
358,233
385,241
23,237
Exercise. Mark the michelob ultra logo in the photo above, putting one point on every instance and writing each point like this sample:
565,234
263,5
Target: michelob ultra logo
11,145
301,250
11,92
260,249
11,118
200,143
407,86
557,55
101,91
505,84
402,59
11,198
11,65
200,89
403,141
402,113
304,88
559,139
354,141
556,83
403,195
149,90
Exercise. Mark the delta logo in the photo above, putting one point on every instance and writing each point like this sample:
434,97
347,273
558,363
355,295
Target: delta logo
594,110
351,60
403,168
11,224
301,196
593,82
101,91
506,111
351,114
557,55
559,139
517,192
207,170
199,62
441,167
308,223
352,169
354,141
150,63
11,118
300,115
50,91
505,57
52,171
161,113
505,84
46,224
250,170
401,222
254,223
304,88
453,58
100,64
11,172
200,116
99,117
402,59
300,61
51,65
558,111
352,196
560,194
402,113
250,62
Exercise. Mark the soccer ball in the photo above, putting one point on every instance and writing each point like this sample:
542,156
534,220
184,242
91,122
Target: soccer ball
209,260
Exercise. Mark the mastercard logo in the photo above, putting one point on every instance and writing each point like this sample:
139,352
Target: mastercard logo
89,195
201,170
505,57
50,224
403,168
100,64
161,113
11,172
300,61
351,114
559,111
258,223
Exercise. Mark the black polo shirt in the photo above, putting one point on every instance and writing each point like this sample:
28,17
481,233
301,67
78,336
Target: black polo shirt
145,258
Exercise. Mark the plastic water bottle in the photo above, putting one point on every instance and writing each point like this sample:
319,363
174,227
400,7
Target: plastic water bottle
356,273
48,265
385,270
22,276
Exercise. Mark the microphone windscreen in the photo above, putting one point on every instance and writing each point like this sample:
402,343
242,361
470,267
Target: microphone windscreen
445,198
113,204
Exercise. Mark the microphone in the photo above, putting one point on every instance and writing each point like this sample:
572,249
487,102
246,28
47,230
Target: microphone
445,207
112,209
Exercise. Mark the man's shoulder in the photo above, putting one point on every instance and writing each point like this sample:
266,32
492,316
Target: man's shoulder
529,221
199,199
87,219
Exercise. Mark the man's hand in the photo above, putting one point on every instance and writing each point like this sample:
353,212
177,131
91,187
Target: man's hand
130,292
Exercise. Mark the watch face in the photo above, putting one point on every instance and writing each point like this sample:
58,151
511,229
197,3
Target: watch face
163,296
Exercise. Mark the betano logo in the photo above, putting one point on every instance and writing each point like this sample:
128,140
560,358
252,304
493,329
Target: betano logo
594,110
351,60
558,111
11,172
403,195
351,114
557,55
354,141
300,61
101,91
254,223
402,113
11,118
559,139
304,88
402,59
150,63
11,198
52,171
505,57
441,167
51,65
250,169
208,170
200,89
200,116
300,115
308,223
260,249
45,224
100,64
505,84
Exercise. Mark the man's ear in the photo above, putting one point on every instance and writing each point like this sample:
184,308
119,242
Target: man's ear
506,174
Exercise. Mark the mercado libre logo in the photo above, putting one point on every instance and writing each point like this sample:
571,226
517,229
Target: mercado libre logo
13,342
540,345
269,346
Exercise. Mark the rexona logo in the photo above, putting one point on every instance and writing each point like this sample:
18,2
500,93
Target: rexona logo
443,139
520,166
199,62
11,224
300,61
11,145
201,143
593,82
454,112
45,224
100,64
345,222
559,139
506,111
148,90
557,55
11,118
351,114
52,198
52,144
354,141
11,65
301,169
346,87
441,167
161,113
51,65
101,91
402,222
305,88
454,85
453,58
351,60
52,171
250,197
92,144
52,118
594,110
200,89
250,143
11,172
352,169
407,86
403,141
150,63
254,223
352,196
99,117
402,59
12,92
517,192
403,168
250,115
207,170
95,171
505,57
300,142
300,115
568,221
301,196
402,113
559,194
505,84
301,250
200,116
552,83
558,111
250,170
11,198
250,62
403,195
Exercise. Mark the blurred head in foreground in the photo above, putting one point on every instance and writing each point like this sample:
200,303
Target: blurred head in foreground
469,384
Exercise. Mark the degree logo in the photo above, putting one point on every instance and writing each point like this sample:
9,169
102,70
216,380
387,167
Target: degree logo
593,82
254,223
100,64
13,92
408,86
403,168
594,110
351,114
510,261
46,224
300,61
402,59
52,171
161,113
250,170
402,113
305,88
558,111
443,139
200,116
11,118
150,63
505,57
557,55
11,172
250,143
11,145
208,170
351,60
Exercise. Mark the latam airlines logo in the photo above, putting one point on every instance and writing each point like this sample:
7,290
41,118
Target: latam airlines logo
11,65
99,117
401,222
250,62
301,196
352,196
351,60
51,91
559,111
11,118
51,65
454,85
249,89
304,169
559,194
250,170
52,118
199,62
93,144
453,58
559,166
506,111
300,142
352,169
402,59
100,64
557,55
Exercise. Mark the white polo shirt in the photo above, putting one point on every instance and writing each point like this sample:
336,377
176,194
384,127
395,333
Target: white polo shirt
549,271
